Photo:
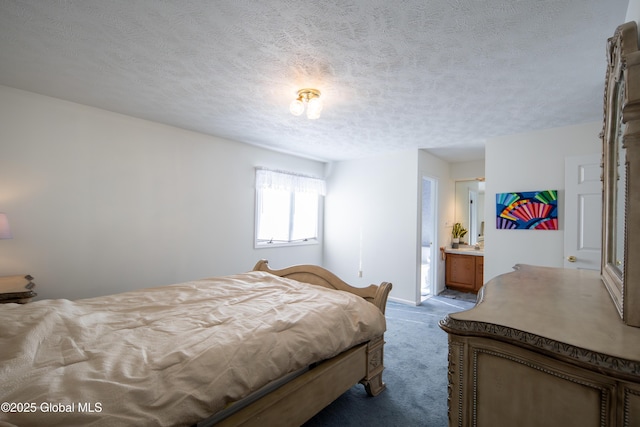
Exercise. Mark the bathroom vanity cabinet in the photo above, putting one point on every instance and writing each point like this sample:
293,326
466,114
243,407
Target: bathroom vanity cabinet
464,270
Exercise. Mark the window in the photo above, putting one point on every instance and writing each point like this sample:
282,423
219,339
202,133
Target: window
287,208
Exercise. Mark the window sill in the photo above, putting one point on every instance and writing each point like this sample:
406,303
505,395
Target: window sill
265,245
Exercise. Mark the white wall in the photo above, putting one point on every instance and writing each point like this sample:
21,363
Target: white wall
101,202
467,170
633,11
530,162
379,199
374,201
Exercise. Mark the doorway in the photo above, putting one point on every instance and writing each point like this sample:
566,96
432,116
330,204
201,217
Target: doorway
428,230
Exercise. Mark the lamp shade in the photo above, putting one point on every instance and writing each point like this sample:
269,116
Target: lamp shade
5,231
296,107
314,107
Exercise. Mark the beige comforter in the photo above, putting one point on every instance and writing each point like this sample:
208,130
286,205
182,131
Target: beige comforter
169,355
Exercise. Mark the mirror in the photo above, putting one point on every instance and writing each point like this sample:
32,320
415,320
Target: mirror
615,160
617,258
620,144
469,208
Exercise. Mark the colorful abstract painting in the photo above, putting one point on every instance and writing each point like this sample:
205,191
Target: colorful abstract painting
534,210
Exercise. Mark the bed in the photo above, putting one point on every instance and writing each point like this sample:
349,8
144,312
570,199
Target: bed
258,348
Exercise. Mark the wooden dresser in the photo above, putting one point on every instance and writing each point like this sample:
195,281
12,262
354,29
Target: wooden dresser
543,347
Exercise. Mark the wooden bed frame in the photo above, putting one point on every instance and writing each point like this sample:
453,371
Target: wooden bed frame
297,401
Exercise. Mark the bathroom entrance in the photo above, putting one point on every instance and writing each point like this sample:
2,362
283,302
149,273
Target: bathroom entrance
428,246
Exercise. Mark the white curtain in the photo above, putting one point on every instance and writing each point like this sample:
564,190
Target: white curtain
277,180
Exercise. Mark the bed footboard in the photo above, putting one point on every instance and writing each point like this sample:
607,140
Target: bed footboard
375,294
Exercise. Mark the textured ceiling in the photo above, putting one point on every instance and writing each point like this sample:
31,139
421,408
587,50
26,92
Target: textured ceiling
442,75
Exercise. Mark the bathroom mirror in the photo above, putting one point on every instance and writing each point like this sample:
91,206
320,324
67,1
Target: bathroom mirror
469,209
620,162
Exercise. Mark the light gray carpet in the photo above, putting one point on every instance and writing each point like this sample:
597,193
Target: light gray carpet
465,296
415,373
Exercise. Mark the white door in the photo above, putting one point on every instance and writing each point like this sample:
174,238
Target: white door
583,212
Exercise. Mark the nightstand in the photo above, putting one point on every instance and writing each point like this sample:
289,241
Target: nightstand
16,289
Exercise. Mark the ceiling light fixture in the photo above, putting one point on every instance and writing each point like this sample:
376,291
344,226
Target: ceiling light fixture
311,97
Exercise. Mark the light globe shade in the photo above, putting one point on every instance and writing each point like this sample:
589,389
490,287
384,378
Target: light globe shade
5,231
296,107
314,108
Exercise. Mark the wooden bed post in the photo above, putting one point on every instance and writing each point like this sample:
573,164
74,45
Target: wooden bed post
372,381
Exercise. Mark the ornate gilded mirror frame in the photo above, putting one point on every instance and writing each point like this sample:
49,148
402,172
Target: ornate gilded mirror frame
620,269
